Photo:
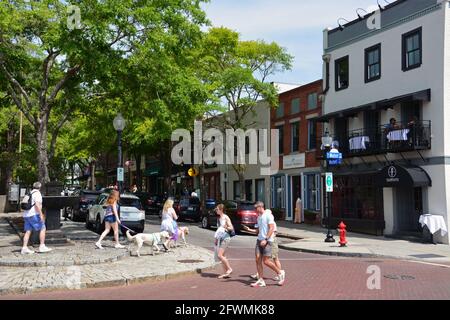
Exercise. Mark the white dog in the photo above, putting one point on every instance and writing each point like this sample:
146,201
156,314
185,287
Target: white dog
182,233
151,239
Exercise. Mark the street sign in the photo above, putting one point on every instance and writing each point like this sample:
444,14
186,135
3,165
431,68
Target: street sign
329,181
120,175
334,162
193,172
334,155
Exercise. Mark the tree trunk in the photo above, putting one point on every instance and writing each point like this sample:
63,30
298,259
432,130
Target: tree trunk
93,183
138,171
242,183
42,158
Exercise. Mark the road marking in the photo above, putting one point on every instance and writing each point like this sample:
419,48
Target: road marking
429,263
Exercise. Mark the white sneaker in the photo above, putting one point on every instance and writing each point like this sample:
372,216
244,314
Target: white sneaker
99,245
259,283
254,276
282,277
44,249
25,250
276,278
119,246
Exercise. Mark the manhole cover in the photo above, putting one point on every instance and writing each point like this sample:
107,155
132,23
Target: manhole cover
426,256
190,261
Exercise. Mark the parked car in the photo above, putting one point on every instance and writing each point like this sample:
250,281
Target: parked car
143,197
155,204
193,210
131,214
241,213
87,199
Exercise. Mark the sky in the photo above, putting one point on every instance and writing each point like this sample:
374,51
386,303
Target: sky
296,25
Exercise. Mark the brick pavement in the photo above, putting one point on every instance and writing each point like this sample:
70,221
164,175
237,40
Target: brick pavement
309,277
83,266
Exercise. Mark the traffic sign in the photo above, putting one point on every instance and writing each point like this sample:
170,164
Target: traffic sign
329,181
193,172
334,155
120,174
334,162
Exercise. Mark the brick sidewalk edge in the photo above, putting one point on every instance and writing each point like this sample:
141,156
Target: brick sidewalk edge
110,283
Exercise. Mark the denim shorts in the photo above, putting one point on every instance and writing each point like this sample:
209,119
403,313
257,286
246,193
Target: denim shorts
110,219
34,223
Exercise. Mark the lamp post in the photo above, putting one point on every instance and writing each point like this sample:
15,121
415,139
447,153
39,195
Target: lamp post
327,141
119,125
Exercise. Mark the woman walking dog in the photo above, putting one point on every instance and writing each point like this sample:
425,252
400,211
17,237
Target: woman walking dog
111,220
223,238
169,218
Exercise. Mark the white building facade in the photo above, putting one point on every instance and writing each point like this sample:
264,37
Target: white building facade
393,171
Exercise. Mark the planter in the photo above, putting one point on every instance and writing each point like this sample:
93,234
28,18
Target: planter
312,217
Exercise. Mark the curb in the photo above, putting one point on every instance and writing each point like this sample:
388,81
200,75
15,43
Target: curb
349,254
110,283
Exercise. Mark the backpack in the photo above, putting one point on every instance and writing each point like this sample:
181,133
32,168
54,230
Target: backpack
26,203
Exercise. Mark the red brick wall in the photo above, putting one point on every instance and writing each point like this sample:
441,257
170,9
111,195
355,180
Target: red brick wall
286,98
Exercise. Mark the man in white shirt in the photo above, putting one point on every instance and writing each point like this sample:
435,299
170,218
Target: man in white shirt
34,221
264,244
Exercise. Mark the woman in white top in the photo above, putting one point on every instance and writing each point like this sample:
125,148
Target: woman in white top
169,218
223,239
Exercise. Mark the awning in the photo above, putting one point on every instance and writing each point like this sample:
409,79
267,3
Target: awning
398,176
424,95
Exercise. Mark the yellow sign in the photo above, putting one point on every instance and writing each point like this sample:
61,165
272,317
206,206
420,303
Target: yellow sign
193,172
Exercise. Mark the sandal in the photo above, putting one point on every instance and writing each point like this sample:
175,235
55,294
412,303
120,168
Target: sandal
225,275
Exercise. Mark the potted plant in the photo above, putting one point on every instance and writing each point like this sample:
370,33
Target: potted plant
311,217
278,213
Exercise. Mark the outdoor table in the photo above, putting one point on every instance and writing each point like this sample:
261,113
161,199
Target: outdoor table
434,223
358,143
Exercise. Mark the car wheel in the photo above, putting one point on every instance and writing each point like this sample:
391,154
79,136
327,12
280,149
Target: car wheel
205,223
98,225
88,223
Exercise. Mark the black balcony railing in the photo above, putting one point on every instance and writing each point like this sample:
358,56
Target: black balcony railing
401,137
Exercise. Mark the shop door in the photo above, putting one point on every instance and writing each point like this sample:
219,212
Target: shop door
296,191
407,215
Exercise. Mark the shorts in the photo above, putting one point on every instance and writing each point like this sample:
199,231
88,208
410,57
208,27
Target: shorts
224,243
34,223
110,219
275,249
264,251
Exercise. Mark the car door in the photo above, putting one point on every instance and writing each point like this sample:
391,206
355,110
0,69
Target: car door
96,207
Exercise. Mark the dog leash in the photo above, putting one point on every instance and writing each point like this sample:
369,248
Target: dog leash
127,228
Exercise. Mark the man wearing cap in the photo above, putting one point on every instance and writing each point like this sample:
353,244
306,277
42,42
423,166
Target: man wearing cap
34,221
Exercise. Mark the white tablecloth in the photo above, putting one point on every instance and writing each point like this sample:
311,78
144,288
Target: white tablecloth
398,135
434,223
358,143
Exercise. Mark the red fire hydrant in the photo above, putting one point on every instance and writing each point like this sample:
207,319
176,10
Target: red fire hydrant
342,232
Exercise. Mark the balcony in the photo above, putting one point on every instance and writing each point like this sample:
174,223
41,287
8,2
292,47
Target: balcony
403,137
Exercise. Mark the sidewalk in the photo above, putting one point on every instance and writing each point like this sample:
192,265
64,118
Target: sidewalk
359,245
81,265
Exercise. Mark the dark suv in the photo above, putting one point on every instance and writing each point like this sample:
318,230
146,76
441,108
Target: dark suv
154,204
193,209
241,213
87,198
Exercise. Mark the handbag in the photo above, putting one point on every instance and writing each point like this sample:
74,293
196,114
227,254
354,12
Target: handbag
232,233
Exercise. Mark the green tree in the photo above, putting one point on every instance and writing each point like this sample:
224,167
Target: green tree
49,67
238,74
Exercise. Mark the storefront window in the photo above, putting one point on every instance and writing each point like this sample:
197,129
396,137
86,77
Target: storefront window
260,190
279,192
356,197
312,185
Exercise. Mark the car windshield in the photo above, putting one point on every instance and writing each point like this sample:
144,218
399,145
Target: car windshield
247,206
130,202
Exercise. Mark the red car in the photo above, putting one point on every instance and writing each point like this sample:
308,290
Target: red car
240,212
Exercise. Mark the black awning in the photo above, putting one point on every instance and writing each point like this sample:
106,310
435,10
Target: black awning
398,176
424,95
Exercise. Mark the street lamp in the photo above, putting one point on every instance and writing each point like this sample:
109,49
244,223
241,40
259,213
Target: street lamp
327,141
119,125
